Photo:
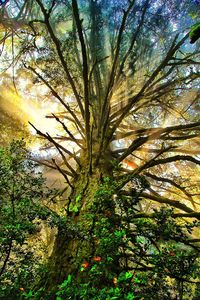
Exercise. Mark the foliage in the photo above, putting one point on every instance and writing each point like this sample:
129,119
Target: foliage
22,192
132,257
161,266
7,123
195,33
144,258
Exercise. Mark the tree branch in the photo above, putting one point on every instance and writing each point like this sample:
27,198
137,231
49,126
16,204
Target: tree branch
60,55
50,139
44,163
55,94
159,130
135,35
85,73
108,94
171,182
7,257
156,162
175,215
133,100
62,172
173,203
68,131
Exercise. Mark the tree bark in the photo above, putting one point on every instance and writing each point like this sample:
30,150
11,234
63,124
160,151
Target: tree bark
73,247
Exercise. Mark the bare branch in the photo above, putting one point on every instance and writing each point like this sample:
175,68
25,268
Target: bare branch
134,38
68,131
108,94
50,139
134,145
62,172
60,55
166,160
180,150
163,200
173,183
175,215
133,100
47,164
159,130
55,94
64,158
85,72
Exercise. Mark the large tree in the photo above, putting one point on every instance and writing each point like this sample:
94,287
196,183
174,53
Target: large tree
127,79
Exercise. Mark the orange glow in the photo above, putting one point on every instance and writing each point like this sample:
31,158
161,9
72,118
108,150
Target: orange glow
130,164
115,281
97,258
85,265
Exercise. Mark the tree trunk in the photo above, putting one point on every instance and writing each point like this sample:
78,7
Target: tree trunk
76,244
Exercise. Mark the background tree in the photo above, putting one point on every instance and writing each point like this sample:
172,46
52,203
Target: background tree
23,195
127,80
10,123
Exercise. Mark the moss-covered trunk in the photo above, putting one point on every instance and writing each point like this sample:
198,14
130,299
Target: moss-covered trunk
76,244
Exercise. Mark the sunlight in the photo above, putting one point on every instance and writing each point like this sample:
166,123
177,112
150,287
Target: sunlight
29,110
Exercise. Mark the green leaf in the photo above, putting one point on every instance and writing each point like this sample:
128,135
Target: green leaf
93,268
128,275
64,284
73,208
120,233
29,295
109,259
130,296
69,278
136,280
78,198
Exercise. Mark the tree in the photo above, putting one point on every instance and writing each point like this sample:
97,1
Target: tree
22,192
127,80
